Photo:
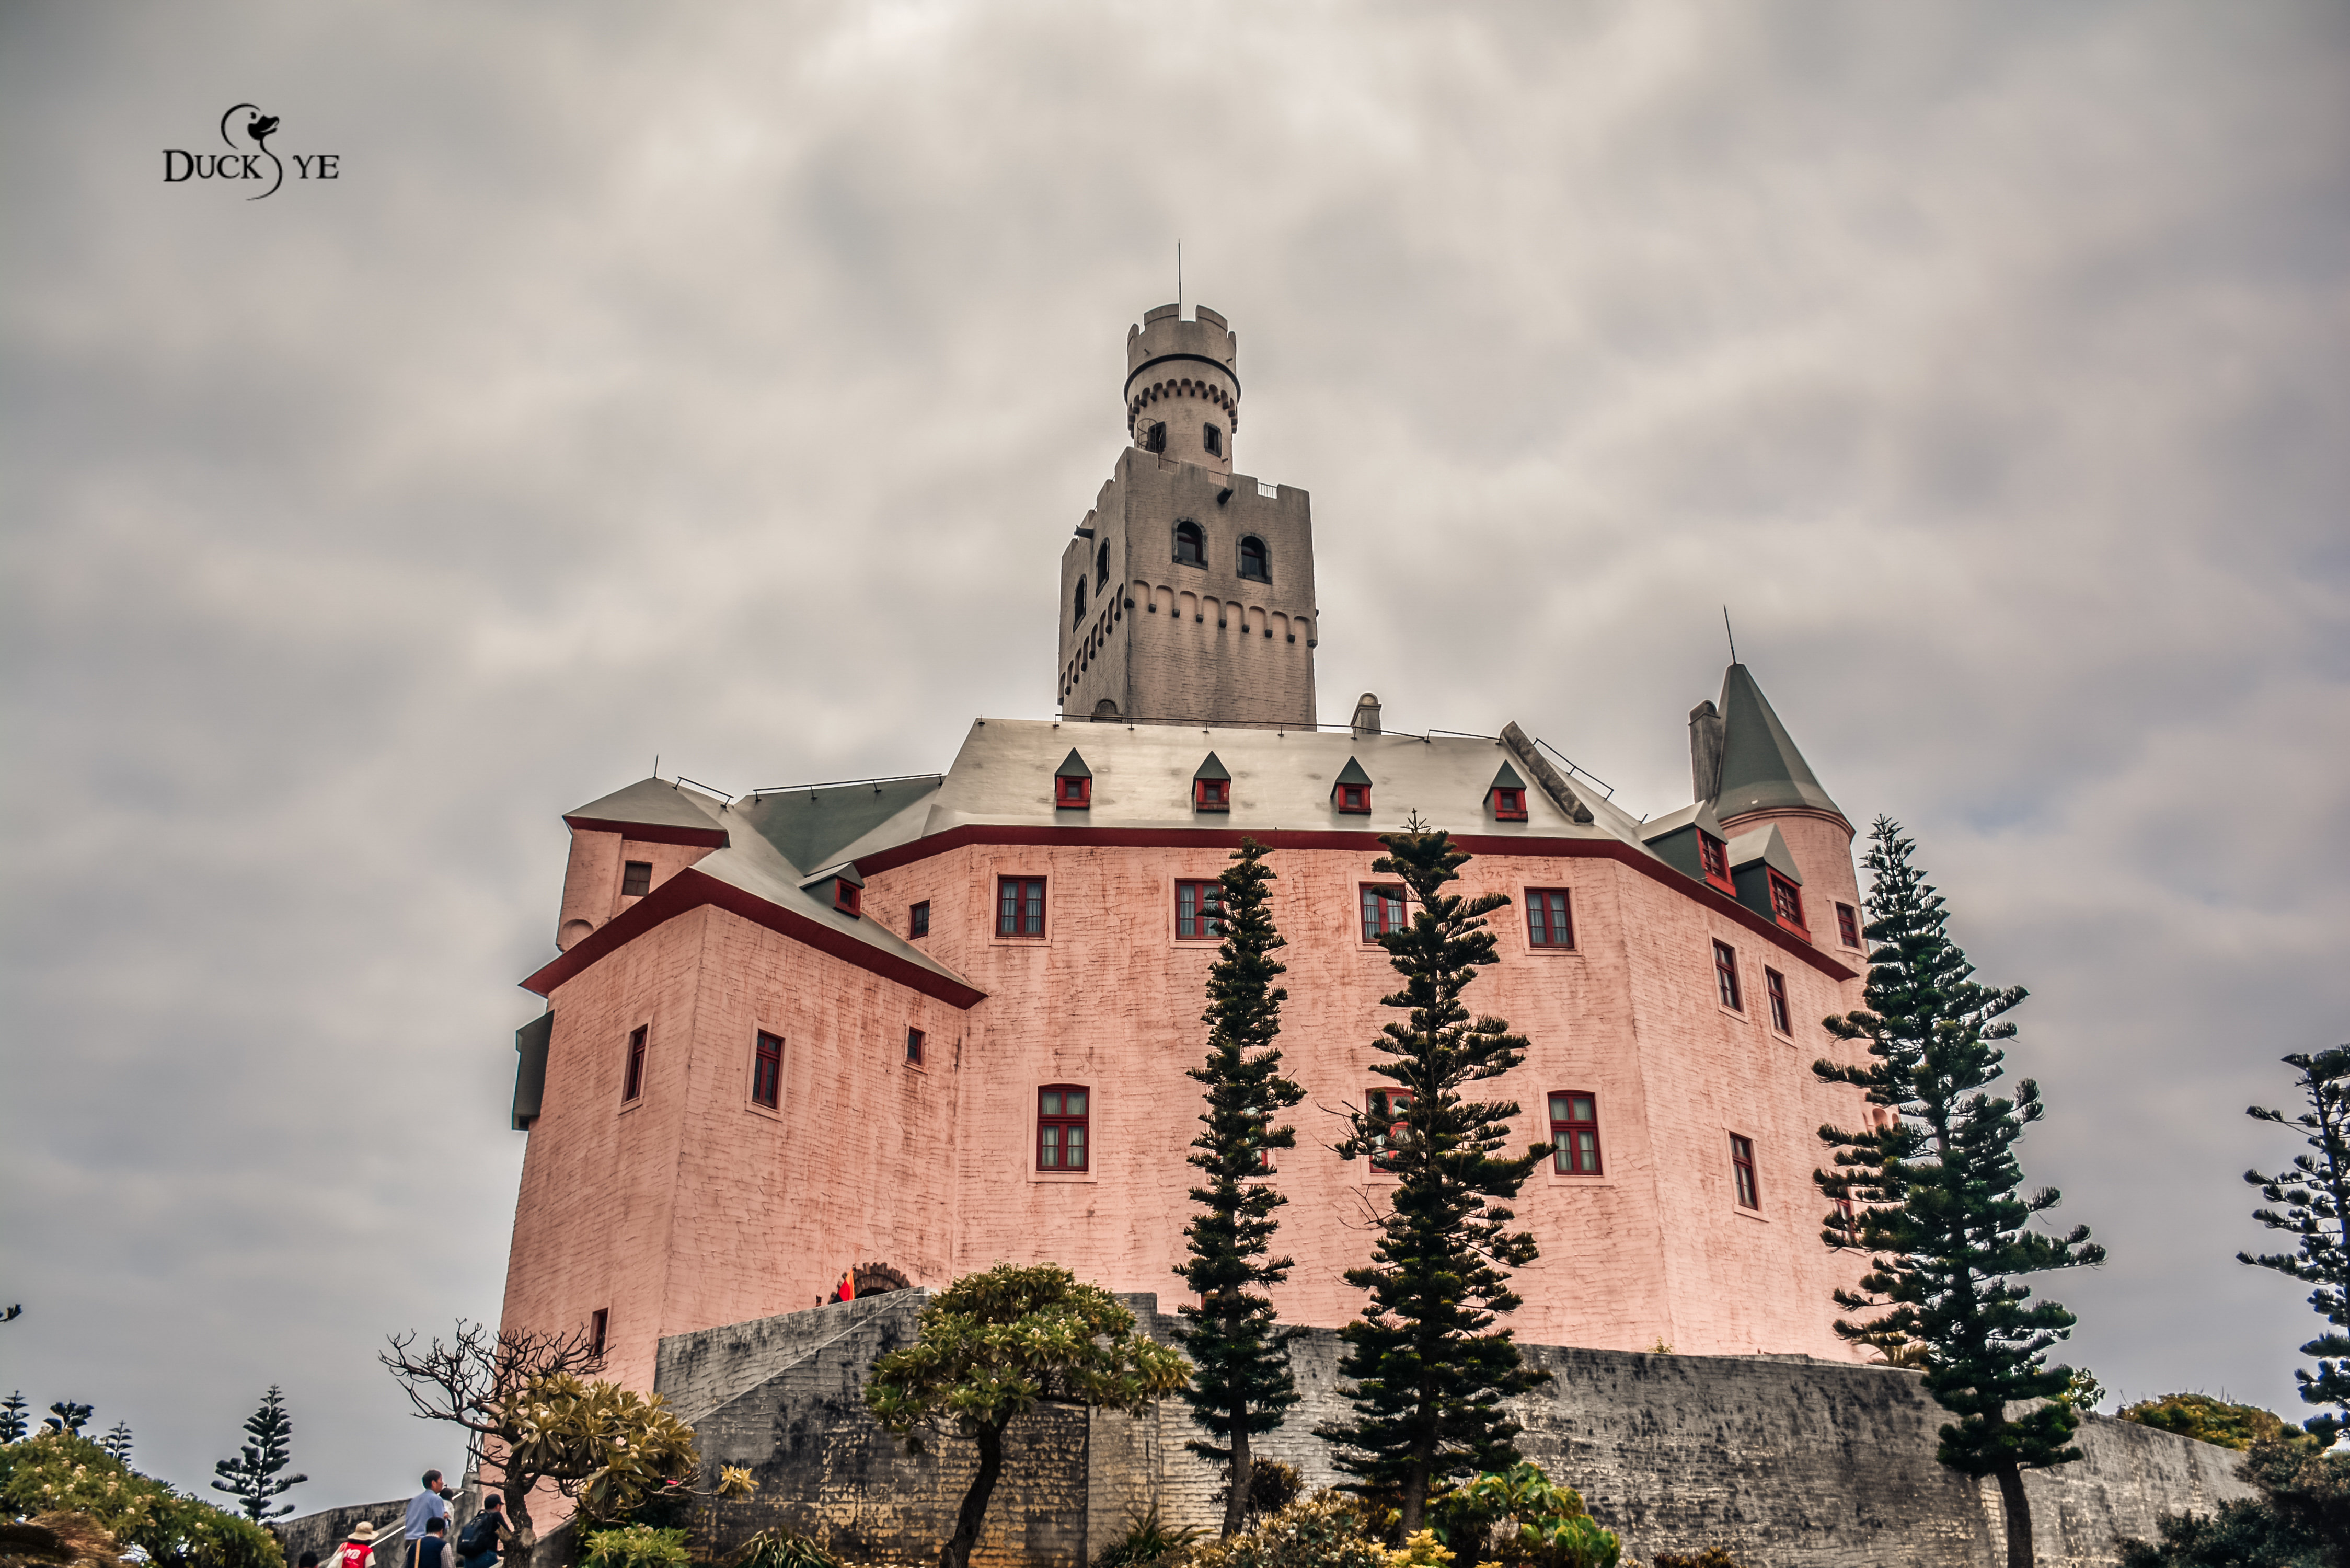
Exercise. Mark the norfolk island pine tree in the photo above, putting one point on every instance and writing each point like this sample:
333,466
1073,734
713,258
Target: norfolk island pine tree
1240,1384
1934,1194
2316,1193
1430,1368
252,1476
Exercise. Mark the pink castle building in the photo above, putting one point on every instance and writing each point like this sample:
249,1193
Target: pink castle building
924,1024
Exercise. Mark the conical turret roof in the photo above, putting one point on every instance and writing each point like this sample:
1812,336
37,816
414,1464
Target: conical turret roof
1760,768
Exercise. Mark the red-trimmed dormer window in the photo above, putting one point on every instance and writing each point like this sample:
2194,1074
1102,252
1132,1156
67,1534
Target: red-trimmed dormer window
1714,855
1848,925
847,896
1211,795
1073,794
1787,906
1509,804
1355,800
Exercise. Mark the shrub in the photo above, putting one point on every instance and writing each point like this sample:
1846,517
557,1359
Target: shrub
1328,1530
1146,1541
781,1548
637,1546
2301,1519
2209,1421
1541,1523
51,1472
1273,1486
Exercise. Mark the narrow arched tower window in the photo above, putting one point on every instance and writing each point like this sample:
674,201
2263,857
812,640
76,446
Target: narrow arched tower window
1079,618
1255,565
1154,438
1191,546
1101,567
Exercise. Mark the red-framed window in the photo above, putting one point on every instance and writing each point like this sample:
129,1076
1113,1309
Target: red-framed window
1073,794
1388,1105
1714,856
1354,800
1198,911
1020,906
915,1041
847,896
768,1071
1550,918
1725,976
1211,795
1742,1172
917,919
1062,1123
632,1081
1509,804
1787,904
1382,910
635,878
1774,988
1848,925
1574,1133
600,1323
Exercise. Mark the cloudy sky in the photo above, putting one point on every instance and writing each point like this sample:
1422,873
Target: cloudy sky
722,384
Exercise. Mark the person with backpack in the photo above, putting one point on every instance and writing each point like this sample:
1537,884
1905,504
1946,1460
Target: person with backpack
477,1544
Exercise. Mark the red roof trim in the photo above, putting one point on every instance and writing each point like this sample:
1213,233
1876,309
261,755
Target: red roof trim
650,833
690,889
1354,839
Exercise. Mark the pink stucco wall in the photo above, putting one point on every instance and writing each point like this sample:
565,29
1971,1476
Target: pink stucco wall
692,1208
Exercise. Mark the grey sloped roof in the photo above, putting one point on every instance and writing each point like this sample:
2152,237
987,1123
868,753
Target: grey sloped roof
1213,768
1699,815
1507,778
1073,766
812,827
654,802
1764,845
1760,768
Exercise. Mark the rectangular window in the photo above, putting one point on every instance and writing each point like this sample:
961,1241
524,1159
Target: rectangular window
632,1083
635,878
1509,805
1382,910
847,896
1198,906
767,1073
1355,800
1848,925
914,1038
1550,918
1574,1134
1020,906
917,919
1388,1105
1742,1170
1787,902
1061,1122
1774,987
598,1321
1072,794
1712,856
1213,438
1211,795
1725,976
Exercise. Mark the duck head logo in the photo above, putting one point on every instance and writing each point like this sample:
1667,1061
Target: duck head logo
245,132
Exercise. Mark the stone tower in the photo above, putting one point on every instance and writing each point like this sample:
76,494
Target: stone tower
1187,595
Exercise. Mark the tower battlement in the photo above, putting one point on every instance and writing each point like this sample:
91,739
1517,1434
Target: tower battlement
1183,386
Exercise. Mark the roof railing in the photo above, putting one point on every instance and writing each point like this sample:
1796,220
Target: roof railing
1607,790
711,789
839,784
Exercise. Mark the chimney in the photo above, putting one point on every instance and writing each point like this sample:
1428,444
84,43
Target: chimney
1705,752
1366,714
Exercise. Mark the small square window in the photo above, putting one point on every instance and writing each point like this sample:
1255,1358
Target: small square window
1574,1134
1725,976
1550,918
635,878
1509,804
1211,795
847,896
1020,906
914,1041
1062,1124
917,919
599,1323
1198,908
1073,794
1382,910
1388,1105
1848,925
632,1081
767,1071
1775,986
1742,1170
1355,800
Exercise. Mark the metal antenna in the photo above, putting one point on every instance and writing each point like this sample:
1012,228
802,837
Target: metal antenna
1730,634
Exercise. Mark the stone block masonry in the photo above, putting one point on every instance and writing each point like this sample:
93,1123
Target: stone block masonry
1786,1462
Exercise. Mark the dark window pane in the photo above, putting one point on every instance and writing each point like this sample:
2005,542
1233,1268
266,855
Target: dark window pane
635,878
1077,1102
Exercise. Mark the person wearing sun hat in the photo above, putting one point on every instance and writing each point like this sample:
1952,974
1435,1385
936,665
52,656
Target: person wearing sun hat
359,1549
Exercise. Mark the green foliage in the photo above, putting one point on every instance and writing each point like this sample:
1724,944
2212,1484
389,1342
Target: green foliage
781,1548
2316,1192
2085,1392
1242,1382
12,1424
1519,1516
2301,1519
252,1476
637,1546
1325,1530
1936,1190
1148,1540
117,1443
2210,1420
1429,1367
994,1345
51,1472
1273,1486
69,1417
611,1450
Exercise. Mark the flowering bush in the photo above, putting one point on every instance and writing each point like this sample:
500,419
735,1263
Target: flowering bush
1328,1530
51,1472
637,1546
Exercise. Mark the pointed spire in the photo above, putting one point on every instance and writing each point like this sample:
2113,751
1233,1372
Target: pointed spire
1760,768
